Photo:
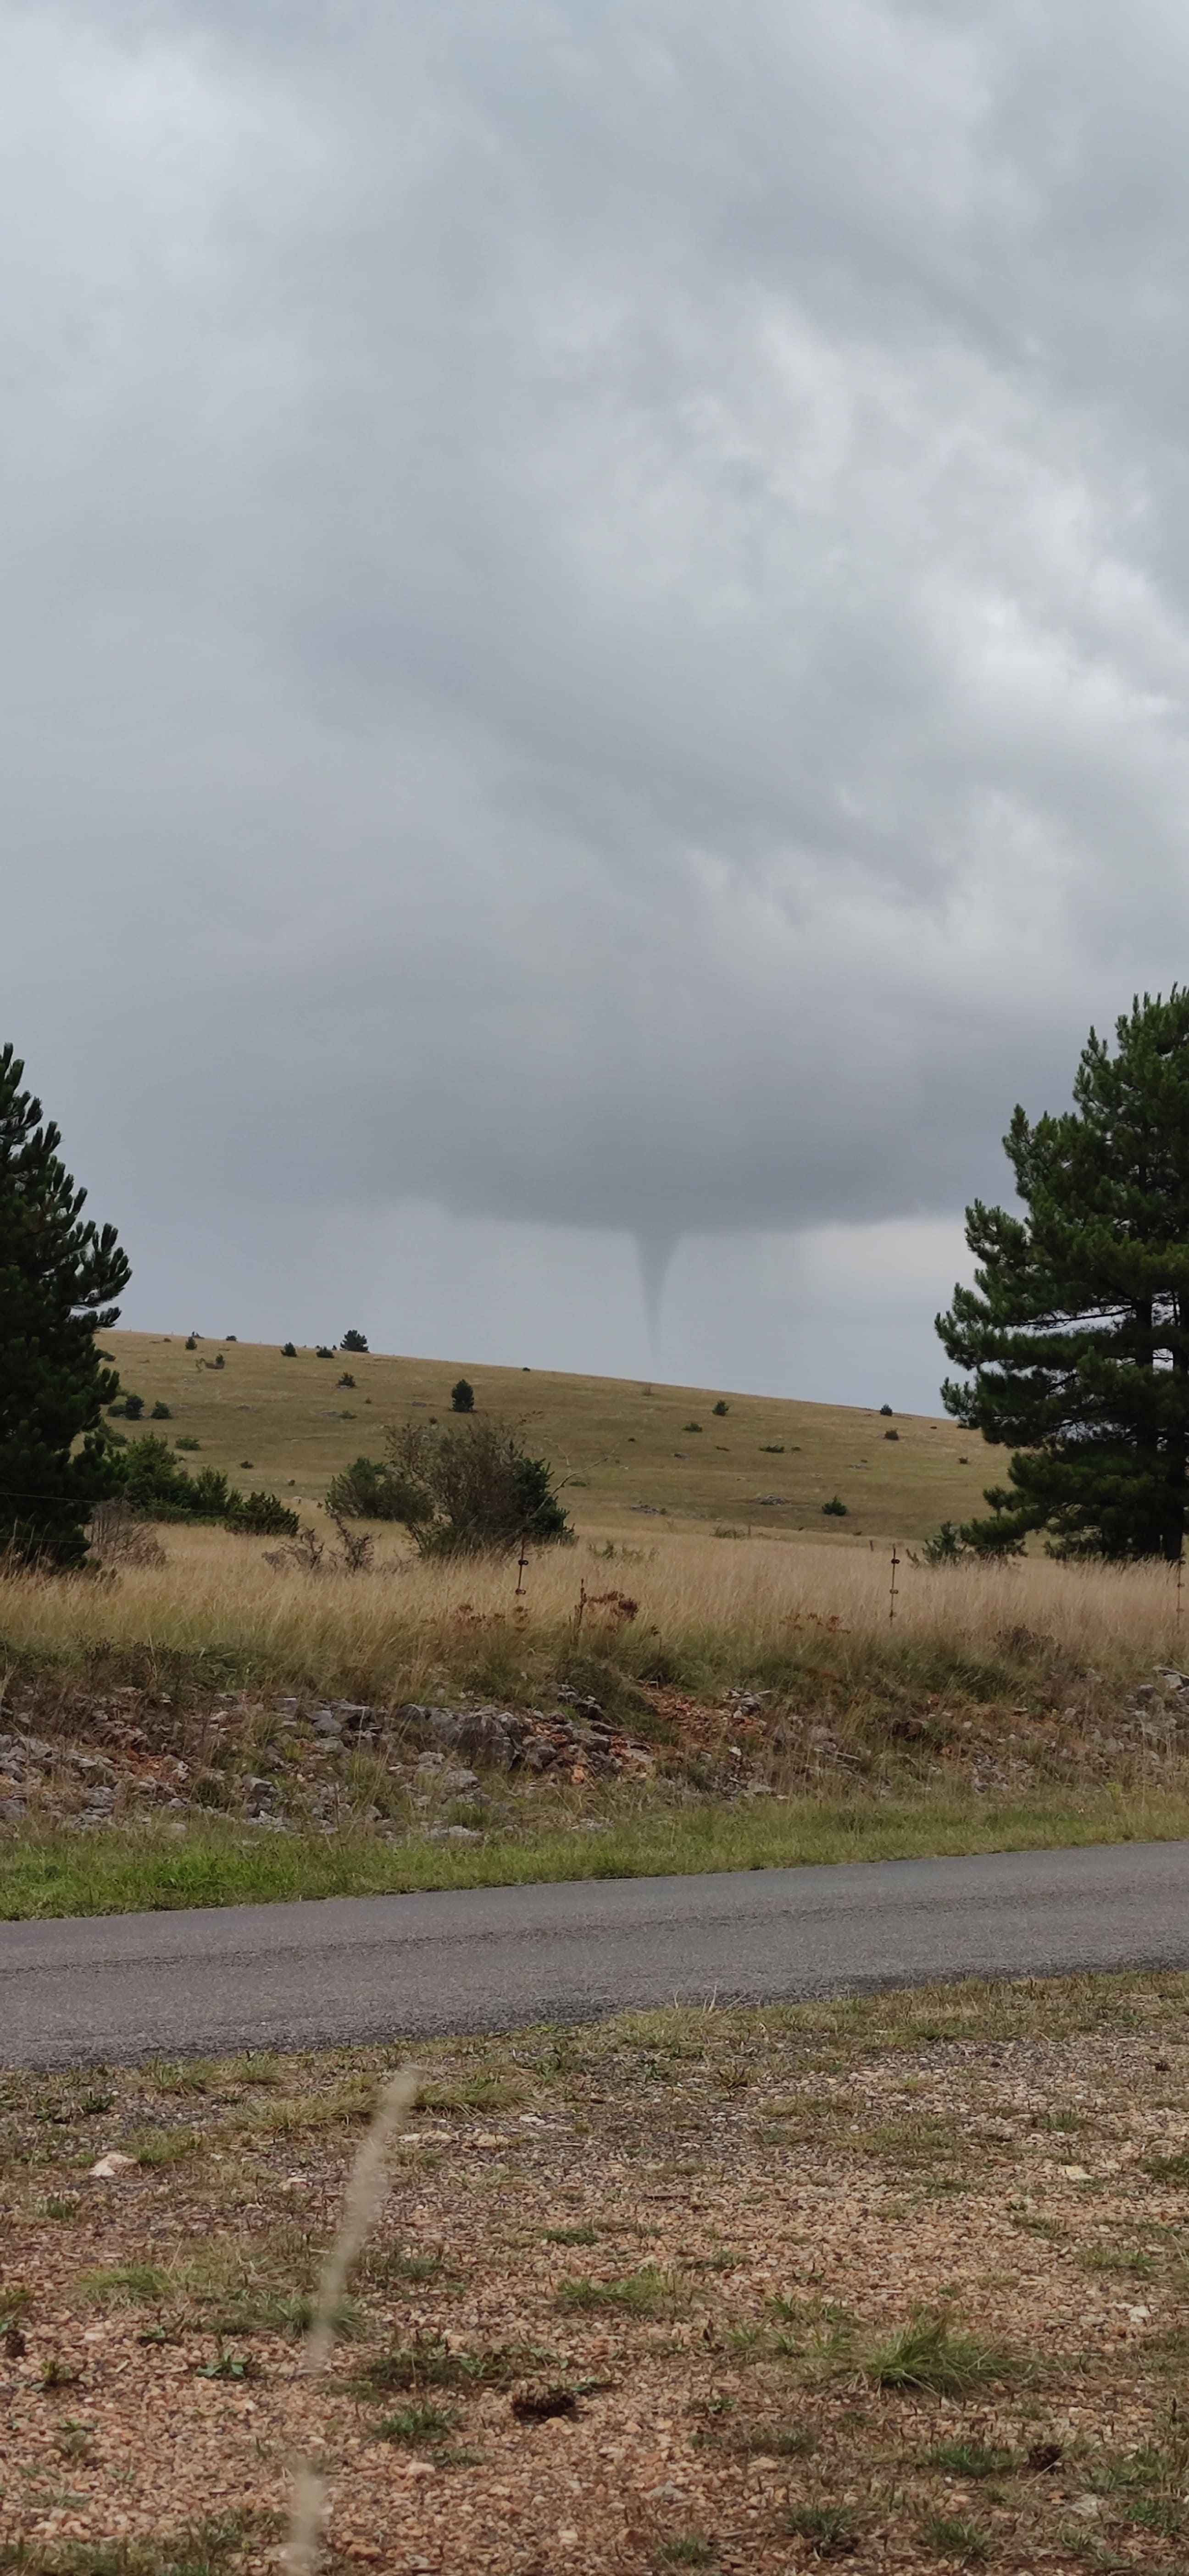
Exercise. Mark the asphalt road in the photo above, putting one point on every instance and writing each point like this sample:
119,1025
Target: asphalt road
129,1986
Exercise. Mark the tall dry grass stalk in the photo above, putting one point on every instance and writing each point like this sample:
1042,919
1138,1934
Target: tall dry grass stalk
734,1601
362,2203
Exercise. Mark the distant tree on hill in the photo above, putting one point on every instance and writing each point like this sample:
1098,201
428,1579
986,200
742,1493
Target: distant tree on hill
58,1277
288,1350
462,1396
1077,1328
354,1341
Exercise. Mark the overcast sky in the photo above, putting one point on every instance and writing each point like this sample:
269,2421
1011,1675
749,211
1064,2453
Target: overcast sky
595,637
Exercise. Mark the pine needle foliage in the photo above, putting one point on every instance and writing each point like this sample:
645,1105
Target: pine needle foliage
1077,1329
59,1275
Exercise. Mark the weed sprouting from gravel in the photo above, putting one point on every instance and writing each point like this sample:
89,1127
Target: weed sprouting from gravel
928,2356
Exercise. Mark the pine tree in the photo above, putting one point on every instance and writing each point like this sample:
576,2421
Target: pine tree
1077,1330
58,1276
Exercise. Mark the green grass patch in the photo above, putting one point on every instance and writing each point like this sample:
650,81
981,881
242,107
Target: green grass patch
971,2459
953,2535
831,2528
207,2548
217,1863
128,2285
430,2362
646,2293
414,2427
927,2357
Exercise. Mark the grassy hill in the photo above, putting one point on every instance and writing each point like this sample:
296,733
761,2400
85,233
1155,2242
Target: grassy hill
627,1451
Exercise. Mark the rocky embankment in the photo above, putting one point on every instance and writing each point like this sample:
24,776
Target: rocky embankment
77,1760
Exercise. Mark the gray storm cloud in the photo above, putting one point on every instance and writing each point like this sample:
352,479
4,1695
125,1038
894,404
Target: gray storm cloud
597,618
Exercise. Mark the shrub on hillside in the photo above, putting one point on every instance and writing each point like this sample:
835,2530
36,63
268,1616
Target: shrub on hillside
946,1547
160,1413
323,1351
354,1341
371,1491
836,1507
151,1481
346,1379
477,1491
462,1396
131,1406
721,1408
261,1516
155,1487
885,1408
288,1350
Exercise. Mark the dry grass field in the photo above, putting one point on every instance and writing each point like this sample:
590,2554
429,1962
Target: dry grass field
767,1465
890,2283
705,1612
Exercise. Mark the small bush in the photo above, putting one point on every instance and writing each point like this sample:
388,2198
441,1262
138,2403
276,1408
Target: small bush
132,1406
151,1480
945,1547
891,1435
323,1351
835,1509
161,1413
354,1341
476,1490
691,1426
885,1408
462,1396
346,1379
721,1408
191,1341
288,1350
186,1440
772,1448
261,1516
370,1491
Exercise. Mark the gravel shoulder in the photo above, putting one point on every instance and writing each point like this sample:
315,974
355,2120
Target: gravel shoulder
893,2281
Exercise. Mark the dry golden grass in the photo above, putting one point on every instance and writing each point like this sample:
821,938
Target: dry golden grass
707,1609
618,1444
